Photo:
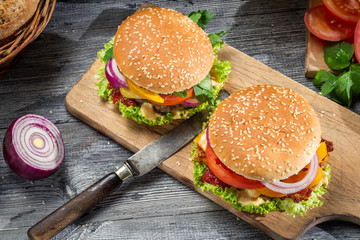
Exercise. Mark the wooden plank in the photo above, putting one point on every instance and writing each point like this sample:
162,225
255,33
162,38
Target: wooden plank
314,53
338,124
272,32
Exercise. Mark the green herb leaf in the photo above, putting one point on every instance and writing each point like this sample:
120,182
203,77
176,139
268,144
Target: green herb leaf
215,38
327,80
108,54
342,92
355,76
342,88
204,91
345,87
323,76
201,17
195,17
328,86
338,55
183,93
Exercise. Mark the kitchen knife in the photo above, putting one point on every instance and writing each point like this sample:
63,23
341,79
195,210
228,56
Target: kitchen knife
138,164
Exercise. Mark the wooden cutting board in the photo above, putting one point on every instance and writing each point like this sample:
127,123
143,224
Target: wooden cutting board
314,54
338,125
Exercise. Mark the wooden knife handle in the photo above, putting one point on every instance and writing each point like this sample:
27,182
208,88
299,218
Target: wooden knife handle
75,208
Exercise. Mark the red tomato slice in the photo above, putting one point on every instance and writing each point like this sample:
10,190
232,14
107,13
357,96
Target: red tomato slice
173,100
357,42
346,10
324,25
226,175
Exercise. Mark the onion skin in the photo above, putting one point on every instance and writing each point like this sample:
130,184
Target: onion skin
15,162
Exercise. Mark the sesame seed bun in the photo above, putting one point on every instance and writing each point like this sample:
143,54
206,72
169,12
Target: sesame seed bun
265,132
162,50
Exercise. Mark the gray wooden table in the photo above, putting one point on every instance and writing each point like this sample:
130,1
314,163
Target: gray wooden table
155,206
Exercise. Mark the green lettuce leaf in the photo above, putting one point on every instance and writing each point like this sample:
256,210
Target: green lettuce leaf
103,91
136,115
271,204
220,69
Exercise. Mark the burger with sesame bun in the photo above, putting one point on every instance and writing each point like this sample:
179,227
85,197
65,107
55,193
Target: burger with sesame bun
162,66
262,151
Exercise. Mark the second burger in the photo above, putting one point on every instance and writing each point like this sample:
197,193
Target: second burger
262,151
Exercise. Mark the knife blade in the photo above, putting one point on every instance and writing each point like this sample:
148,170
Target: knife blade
138,164
163,147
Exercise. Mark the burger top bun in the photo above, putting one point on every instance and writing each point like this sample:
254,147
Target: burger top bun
162,50
265,132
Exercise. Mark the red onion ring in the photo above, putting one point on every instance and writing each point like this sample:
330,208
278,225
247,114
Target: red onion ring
33,147
191,102
207,137
113,74
108,75
287,188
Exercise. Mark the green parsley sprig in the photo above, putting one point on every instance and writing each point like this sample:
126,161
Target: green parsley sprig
108,54
183,93
215,38
204,91
201,17
344,86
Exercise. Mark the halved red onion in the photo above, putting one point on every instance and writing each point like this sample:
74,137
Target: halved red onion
113,74
33,147
191,102
287,188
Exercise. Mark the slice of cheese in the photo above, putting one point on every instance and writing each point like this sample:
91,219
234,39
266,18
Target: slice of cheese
323,181
201,141
126,92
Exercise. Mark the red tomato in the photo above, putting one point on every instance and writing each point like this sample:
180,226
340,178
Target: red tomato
226,175
116,97
210,178
357,42
173,100
324,25
346,10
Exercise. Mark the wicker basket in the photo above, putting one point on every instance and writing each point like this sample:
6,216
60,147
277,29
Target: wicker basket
10,52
